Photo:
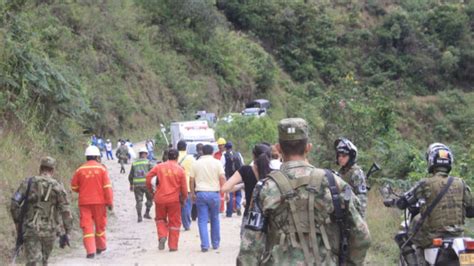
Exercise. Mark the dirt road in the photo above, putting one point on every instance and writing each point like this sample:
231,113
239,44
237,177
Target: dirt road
132,243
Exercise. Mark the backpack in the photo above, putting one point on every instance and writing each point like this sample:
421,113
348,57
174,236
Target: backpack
232,163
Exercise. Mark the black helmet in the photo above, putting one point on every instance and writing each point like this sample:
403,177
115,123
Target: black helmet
345,146
439,155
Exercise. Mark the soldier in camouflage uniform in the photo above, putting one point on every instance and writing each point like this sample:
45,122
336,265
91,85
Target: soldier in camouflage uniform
122,155
447,218
346,158
137,178
291,219
47,215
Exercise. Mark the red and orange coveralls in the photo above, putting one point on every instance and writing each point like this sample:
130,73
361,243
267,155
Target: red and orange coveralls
92,182
171,190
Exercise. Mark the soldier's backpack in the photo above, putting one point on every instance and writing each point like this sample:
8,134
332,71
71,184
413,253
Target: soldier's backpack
41,216
302,220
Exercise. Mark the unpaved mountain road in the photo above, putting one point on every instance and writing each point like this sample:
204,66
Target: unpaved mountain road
132,243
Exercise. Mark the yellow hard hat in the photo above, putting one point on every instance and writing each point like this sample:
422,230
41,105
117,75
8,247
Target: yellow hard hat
221,141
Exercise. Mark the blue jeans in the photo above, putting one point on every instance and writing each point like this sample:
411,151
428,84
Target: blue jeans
151,155
230,205
186,213
208,204
110,156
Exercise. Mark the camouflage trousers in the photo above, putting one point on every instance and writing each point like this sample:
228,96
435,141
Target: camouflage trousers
140,191
363,204
122,161
37,249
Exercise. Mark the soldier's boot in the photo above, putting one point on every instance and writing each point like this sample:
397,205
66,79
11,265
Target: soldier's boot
139,213
147,214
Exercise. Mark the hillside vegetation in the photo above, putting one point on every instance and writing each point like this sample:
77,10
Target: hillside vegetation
393,76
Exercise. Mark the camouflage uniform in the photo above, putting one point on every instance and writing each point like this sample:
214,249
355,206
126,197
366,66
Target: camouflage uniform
447,218
47,215
278,241
355,177
137,178
122,155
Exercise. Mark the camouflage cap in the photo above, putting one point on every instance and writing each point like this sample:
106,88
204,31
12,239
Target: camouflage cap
48,162
292,129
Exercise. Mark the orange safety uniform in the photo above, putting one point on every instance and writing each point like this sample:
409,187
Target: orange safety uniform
171,189
91,180
218,156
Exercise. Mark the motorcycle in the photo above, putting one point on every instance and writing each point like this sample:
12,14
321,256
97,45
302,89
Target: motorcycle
443,251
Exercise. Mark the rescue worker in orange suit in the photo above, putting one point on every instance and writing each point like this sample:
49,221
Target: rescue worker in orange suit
171,192
92,182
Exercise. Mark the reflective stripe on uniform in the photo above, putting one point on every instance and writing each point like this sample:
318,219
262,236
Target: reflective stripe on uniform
140,163
75,187
139,180
90,167
174,228
100,234
108,185
88,235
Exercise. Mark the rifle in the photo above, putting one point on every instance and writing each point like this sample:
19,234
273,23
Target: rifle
19,236
344,229
374,168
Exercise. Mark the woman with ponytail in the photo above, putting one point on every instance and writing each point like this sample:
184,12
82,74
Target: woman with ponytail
248,175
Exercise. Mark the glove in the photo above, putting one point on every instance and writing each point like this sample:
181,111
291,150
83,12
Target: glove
63,241
110,207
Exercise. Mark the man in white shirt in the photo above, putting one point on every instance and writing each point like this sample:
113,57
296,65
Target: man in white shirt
108,150
206,179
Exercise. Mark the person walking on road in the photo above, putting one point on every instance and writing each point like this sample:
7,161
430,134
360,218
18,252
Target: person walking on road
108,150
206,178
137,178
186,161
122,155
100,145
171,191
232,161
91,180
294,213
150,146
34,203
248,175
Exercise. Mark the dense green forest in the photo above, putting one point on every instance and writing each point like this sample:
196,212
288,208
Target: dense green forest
393,76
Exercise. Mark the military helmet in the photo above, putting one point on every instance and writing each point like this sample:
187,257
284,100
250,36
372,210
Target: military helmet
345,146
48,162
439,155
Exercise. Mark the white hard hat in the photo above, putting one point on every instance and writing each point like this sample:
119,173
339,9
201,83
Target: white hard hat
143,150
92,151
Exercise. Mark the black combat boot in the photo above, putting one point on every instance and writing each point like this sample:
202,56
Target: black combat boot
147,214
139,213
